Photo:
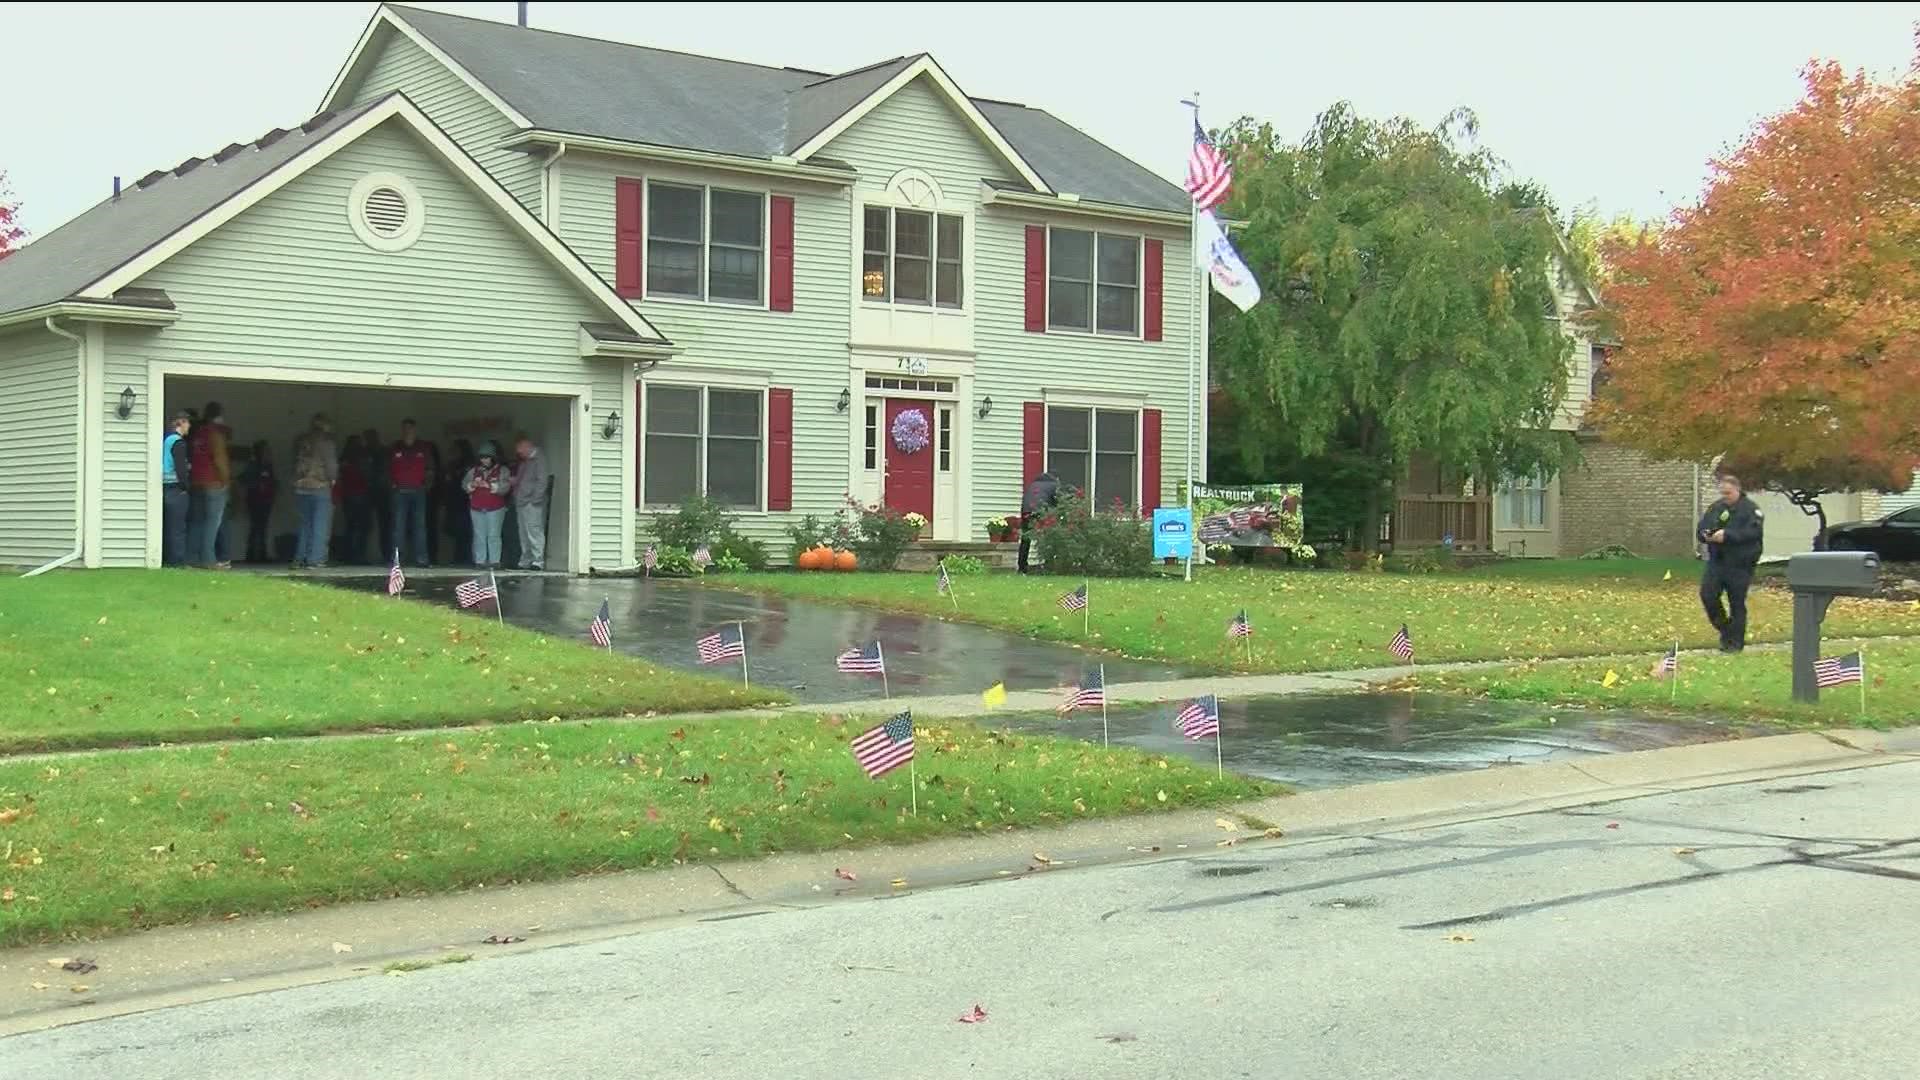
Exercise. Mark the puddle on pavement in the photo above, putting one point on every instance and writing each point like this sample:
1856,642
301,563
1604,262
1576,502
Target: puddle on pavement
791,644
1332,740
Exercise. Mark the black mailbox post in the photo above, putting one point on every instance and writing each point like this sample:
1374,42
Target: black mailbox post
1816,578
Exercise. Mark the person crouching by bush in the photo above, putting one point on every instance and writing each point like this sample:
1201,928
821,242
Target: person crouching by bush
486,486
1042,495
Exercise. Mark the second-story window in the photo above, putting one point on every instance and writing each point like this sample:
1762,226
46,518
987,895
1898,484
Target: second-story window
912,257
1093,282
706,243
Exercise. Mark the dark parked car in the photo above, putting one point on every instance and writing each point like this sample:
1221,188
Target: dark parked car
1895,538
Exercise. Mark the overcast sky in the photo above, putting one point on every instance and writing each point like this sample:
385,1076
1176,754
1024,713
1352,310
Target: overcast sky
1616,105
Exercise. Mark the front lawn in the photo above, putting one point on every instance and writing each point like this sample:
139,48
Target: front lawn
1752,684
1332,620
116,841
110,658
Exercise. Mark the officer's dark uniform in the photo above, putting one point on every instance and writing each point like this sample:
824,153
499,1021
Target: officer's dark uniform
1729,567
1041,496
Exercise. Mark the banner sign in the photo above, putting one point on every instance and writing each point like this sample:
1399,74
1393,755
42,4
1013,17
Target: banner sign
1172,533
1253,515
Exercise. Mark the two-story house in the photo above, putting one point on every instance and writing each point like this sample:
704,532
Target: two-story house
675,273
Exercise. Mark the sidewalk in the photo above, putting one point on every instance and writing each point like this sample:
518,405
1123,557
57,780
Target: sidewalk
178,965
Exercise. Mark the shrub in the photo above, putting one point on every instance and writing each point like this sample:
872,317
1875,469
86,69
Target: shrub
727,563
880,535
699,520
964,565
1423,561
810,532
734,551
1078,539
675,562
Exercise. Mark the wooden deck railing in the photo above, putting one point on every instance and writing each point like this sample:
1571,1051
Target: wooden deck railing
1427,520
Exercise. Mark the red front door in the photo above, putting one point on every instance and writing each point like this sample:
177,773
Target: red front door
909,476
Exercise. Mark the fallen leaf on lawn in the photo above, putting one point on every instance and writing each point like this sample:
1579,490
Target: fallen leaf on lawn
1228,842
653,813
1459,937
102,621
10,815
341,946
844,874
1613,824
1274,833
502,939
79,966
975,1015
898,883
37,985
1683,851
297,809
6,895
1162,796
716,825
1611,680
1041,858
1223,823
79,988
1119,1037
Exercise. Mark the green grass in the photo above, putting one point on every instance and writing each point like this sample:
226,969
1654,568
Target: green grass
1329,620
1754,685
124,839
111,658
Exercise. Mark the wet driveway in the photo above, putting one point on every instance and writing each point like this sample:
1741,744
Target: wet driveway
791,644
1332,740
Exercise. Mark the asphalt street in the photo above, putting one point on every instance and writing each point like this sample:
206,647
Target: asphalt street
1764,929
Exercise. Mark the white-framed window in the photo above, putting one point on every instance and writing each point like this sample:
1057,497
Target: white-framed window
706,243
912,257
1523,502
1093,281
704,439
873,435
945,441
1097,451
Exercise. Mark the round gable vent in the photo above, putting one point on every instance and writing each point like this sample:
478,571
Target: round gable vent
386,212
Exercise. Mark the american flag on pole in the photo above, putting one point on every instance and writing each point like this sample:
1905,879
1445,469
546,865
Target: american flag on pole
1402,645
702,557
886,747
1199,718
1075,600
396,580
651,559
725,643
1238,626
1839,670
1088,693
866,659
1669,663
944,584
1208,174
601,628
476,592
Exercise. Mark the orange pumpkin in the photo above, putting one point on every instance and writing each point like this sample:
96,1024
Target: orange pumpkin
808,559
823,558
845,560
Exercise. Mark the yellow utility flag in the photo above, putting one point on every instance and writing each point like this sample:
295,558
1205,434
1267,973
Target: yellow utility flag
1669,576
994,695
1612,679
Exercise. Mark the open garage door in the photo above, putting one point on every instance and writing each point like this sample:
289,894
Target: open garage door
266,418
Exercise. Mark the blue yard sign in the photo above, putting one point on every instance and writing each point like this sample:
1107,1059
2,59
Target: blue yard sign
1172,532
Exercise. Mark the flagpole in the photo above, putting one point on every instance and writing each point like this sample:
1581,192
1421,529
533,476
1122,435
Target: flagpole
881,651
742,627
608,601
1086,609
1863,680
498,610
1103,706
1249,637
913,786
1196,326
1673,692
1219,766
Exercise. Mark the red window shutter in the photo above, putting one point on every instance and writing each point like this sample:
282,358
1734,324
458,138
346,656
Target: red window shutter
780,262
627,195
634,421
1155,254
779,449
1150,454
1033,446
1036,279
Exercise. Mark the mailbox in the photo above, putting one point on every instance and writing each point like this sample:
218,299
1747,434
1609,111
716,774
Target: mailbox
1834,573
1816,578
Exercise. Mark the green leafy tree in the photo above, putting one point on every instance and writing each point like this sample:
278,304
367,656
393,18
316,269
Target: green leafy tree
1407,291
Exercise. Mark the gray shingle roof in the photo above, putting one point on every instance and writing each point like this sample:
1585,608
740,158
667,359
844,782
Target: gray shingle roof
608,89
117,230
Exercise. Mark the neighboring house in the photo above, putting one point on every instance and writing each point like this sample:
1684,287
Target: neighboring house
679,274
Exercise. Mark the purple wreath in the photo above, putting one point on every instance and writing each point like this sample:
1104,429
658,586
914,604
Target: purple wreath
910,431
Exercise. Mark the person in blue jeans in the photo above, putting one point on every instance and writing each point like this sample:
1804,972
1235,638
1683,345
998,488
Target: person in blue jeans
174,471
411,468
316,467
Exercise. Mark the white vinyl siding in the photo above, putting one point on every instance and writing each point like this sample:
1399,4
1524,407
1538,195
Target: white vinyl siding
39,457
287,285
466,117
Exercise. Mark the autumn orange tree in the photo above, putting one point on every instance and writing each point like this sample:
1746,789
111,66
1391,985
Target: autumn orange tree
10,231
1775,324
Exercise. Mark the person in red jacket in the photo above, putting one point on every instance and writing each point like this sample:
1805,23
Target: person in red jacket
211,477
486,485
411,467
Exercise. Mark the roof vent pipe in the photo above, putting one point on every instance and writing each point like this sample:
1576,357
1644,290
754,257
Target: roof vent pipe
116,187
523,14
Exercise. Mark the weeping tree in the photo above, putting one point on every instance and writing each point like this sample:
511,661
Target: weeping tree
1407,295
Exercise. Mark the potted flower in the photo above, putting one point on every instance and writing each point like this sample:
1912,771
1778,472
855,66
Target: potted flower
1000,530
918,523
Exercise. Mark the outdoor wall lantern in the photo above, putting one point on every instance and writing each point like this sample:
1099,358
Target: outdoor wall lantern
611,429
845,402
126,403
986,406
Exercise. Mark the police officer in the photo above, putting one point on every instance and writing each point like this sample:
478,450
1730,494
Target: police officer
1042,494
1731,528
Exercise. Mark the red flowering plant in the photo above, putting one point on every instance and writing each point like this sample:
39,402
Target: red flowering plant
880,534
1078,538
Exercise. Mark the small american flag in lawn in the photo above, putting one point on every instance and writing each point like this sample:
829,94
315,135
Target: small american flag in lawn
1238,626
1840,670
1199,718
1208,174
1091,691
1669,664
396,581
476,592
944,584
1075,600
725,643
702,557
867,659
886,747
601,628
1402,645
651,559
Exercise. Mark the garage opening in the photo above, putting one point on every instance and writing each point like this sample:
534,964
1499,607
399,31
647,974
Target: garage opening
268,416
